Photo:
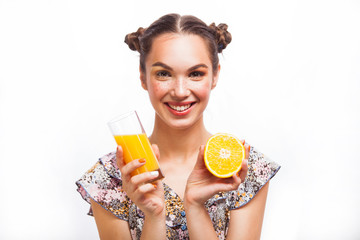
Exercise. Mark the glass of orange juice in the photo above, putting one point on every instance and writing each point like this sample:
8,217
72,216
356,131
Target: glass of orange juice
130,135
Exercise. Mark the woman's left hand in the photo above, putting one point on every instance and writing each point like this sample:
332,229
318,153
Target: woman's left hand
202,185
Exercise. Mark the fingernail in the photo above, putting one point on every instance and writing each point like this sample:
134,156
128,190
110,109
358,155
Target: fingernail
154,173
249,148
155,186
142,160
243,142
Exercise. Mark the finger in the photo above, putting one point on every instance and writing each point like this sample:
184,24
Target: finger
144,178
243,171
200,160
133,165
157,184
228,184
119,157
247,150
156,150
145,188
235,182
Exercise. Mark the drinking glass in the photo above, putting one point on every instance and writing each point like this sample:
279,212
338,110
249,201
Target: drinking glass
130,135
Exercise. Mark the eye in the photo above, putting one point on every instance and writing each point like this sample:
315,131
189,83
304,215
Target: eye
163,74
196,75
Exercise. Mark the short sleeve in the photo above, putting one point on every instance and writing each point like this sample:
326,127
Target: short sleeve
102,183
260,170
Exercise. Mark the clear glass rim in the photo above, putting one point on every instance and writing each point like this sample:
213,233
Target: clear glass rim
122,116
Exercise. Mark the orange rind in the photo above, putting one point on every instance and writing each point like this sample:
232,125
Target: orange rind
223,155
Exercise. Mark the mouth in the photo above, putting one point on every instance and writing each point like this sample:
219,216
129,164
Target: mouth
180,108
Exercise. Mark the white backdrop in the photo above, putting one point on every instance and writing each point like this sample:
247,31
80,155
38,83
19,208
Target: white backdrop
289,85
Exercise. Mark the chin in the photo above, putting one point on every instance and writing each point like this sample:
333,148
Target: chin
182,124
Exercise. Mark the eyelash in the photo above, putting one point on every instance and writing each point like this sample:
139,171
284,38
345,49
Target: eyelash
165,74
197,74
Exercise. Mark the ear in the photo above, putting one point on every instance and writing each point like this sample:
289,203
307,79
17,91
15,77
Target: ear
143,79
215,78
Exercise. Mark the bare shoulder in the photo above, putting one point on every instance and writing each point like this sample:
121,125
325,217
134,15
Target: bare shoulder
109,226
246,221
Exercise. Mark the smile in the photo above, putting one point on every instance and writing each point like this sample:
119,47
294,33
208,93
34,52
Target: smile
180,109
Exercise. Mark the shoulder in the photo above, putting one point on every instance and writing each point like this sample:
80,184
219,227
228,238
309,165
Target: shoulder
102,183
260,170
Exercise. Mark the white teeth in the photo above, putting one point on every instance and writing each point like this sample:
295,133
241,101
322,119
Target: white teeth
180,108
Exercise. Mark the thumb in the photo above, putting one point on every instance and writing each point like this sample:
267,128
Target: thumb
200,160
156,150
119,157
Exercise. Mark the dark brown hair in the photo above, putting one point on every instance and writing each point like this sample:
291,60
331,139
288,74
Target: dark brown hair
216,37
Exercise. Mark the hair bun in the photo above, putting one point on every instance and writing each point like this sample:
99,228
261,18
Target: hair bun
222,36
132,39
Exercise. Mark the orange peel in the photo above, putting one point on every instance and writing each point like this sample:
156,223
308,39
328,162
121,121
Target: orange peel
224,154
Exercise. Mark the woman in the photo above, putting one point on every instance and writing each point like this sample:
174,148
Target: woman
179,67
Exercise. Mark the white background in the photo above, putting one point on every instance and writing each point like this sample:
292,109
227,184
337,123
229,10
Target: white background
289,85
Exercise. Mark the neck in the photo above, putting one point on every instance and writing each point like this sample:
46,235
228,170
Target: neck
179,144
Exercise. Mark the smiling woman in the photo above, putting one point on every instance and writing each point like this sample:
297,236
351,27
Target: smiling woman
179,78
179,67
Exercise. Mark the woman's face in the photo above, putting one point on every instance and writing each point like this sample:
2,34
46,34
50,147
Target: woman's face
179,78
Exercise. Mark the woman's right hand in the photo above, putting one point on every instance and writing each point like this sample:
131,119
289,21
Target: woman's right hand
149,197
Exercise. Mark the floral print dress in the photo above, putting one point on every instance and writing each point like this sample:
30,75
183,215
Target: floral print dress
103,184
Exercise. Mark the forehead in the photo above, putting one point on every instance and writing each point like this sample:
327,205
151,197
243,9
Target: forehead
181,50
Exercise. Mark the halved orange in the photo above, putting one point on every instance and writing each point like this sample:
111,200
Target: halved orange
223,155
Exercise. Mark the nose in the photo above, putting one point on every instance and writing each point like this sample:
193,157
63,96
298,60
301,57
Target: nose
180,88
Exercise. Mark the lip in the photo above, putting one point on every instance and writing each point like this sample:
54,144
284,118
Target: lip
182,113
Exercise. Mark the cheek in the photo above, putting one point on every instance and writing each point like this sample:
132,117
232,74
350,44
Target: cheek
202,91
157,89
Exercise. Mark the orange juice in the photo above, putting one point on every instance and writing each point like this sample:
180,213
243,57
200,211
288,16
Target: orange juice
138,146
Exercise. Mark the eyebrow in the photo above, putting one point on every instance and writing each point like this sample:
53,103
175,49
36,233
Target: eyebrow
198,66
160,64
